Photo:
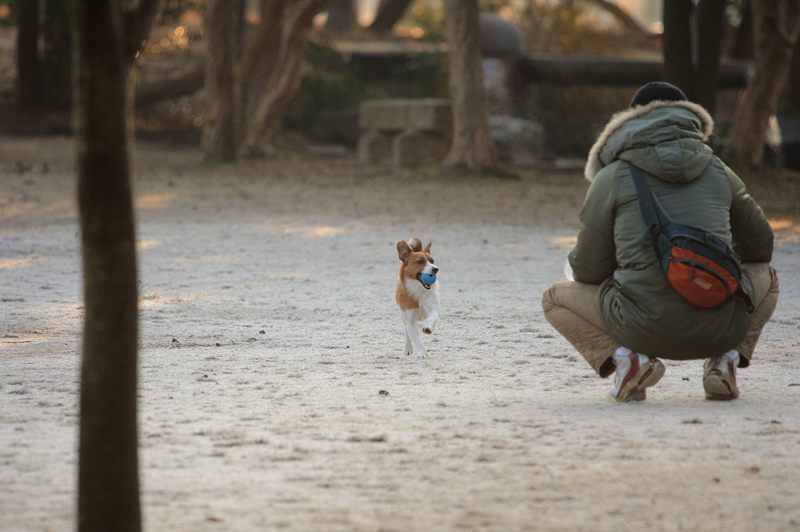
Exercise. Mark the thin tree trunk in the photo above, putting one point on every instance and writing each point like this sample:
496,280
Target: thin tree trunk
628,22
29,74
710,19
472,141
341,17
221,128
260,56
56,67
108,479
743,39
794,80
777,26
388,14
677,45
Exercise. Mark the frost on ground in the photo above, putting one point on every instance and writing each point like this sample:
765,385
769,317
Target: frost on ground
274,393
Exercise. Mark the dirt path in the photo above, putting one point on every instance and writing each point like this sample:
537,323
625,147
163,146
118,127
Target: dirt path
269,335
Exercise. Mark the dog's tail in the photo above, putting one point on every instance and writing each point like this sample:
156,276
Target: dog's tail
415,243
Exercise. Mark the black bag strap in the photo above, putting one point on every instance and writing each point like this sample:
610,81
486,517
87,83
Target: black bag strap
655,217
652,212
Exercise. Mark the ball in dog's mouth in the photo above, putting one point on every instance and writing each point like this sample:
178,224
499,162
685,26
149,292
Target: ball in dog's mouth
426,279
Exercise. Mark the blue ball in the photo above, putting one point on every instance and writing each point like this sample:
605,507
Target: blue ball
427,278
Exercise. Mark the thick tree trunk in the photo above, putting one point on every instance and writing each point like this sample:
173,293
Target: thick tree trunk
221,128
677,45
777,26
710,19
279,64
472,141
56,67
29,74
268,75
388,14
108,478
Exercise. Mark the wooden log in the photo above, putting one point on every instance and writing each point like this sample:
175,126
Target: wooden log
188,81
545,69
583,70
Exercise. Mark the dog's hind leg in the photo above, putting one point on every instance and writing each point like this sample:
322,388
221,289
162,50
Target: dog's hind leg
409,347
413,333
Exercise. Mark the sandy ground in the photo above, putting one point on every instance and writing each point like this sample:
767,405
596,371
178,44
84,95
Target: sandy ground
273,389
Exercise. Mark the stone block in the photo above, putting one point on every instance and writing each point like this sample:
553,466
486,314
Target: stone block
406,113
430,114
385,115
374,147
517,141
412,147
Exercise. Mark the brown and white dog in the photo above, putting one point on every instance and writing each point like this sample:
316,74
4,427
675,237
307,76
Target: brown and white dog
418,300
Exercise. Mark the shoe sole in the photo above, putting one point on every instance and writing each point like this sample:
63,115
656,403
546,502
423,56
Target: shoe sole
719,389
647,376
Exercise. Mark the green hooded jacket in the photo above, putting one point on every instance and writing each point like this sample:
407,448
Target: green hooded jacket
641,310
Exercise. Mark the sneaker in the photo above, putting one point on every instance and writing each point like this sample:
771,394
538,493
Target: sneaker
635,372
719,378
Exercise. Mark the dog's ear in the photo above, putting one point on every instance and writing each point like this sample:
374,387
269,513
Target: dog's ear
415,243
428,248
403,250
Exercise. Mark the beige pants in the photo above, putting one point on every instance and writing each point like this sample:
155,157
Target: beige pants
574,310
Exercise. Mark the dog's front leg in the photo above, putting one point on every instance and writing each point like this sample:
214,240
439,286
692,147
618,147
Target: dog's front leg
409,348
431,311
412,334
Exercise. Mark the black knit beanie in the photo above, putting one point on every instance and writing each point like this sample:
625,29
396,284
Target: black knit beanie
657,90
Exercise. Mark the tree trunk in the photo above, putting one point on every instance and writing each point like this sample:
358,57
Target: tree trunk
389,13
108,479
341,17
472,141
794,80
269,74
710,19
777,26
221,128
280,66
182,83
29,74
56,67
677,45
260,55
634,29
743,38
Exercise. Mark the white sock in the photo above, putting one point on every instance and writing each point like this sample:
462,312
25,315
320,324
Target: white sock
721,362
622,351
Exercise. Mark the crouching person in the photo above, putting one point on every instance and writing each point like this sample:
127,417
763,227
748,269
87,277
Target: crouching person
620,312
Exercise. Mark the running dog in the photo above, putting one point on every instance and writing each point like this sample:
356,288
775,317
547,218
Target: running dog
417,293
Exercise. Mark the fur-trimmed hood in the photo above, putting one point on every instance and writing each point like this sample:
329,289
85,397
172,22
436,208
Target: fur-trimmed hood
643,127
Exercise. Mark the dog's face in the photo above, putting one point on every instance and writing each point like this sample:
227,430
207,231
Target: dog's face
416,260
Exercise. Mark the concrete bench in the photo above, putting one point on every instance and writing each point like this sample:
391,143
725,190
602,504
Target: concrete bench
405,132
